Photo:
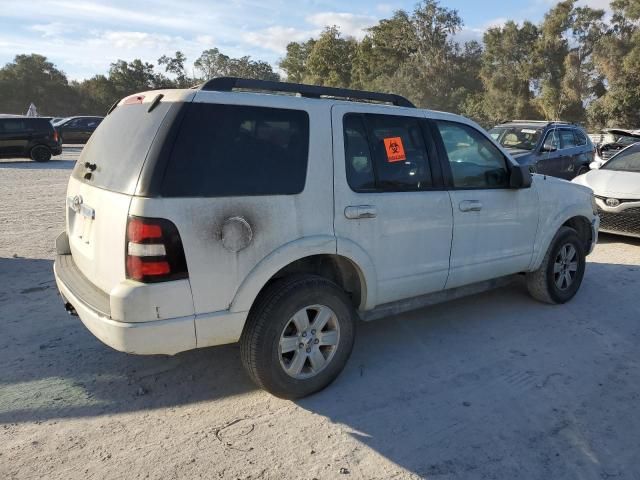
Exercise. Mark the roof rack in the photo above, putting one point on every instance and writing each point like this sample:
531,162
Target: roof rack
228,84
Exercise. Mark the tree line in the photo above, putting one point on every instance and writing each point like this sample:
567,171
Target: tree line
577,64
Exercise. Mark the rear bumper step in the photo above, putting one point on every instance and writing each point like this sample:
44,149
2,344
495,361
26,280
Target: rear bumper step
167,337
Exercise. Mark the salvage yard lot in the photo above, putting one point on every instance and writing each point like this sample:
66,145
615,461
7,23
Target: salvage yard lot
492,386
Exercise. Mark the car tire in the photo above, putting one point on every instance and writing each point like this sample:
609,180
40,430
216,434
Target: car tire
40,153
560,275
582,170
280,348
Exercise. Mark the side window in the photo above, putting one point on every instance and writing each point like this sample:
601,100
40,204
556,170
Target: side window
581,138
357,155
567,139
552,139
475,161
385,153
11,125
233,150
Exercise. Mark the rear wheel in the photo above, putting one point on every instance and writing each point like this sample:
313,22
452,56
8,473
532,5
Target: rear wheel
560,275
298,336
40,153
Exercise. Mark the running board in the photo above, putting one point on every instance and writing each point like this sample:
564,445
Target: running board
415,303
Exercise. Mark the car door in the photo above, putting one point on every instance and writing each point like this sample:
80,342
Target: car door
72,131
570,153
550,157
14,138
494,226
390,204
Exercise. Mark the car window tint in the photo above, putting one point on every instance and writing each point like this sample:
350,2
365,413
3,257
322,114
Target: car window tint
13,125
475,161
232,150
581,138
358,161
567,139
399,153
553,139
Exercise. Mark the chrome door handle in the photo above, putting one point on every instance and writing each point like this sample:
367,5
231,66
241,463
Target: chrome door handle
470,206
360,211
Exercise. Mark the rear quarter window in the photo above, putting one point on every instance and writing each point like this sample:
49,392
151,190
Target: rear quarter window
233,150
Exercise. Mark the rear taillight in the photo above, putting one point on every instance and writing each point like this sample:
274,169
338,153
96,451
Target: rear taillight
55,136
154,251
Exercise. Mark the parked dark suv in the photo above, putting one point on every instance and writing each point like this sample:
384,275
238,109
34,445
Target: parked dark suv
76,129
552,148
28,137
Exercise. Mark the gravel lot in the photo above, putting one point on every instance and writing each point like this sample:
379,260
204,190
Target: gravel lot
494,386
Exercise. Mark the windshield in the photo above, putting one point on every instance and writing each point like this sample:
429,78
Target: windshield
521,138
624,140
626,161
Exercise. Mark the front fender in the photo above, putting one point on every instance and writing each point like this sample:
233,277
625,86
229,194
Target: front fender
550,226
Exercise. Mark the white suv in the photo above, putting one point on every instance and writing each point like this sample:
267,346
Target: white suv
278,214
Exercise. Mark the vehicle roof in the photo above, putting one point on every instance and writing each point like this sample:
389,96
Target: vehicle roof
623,131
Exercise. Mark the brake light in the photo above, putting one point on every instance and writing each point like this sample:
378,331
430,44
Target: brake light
55,135
154,250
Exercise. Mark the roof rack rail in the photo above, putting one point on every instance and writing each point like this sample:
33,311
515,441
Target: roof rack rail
228,84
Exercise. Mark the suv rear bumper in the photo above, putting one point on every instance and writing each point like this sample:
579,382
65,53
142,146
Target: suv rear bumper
168,336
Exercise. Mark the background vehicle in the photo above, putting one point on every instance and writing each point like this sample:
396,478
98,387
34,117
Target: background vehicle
612,141
28,137
616,186
210,216
76,129
551,148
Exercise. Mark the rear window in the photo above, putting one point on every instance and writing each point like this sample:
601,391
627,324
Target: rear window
119,146
233,150
18,125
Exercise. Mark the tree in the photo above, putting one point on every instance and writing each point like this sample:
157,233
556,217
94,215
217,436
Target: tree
330,59
175,66
212,63
508,64
32,78
294,64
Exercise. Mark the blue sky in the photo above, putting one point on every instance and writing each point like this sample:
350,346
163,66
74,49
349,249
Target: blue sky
82,37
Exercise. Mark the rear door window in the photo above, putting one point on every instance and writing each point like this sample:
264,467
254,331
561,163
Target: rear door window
234,150
385,153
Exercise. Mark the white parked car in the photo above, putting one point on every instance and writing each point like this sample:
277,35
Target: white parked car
208,216
616,186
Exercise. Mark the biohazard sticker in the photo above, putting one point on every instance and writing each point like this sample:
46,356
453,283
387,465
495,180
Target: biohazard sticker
395,149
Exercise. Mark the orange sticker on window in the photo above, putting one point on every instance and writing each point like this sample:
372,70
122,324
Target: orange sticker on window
395,149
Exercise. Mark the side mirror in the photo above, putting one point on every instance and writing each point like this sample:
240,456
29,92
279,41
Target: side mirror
520,177
594,165
549,147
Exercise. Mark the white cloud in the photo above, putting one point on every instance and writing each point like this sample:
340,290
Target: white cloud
276,38
53,29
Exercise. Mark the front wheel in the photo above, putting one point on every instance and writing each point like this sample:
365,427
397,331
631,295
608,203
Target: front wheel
582,170
298,336
560,275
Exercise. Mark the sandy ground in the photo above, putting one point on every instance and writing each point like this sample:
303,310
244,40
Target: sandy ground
495,386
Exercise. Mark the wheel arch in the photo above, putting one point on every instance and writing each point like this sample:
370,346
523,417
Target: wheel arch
312,255
569,218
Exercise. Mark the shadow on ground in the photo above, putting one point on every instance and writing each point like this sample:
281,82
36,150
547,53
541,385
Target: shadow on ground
494,383
52,164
